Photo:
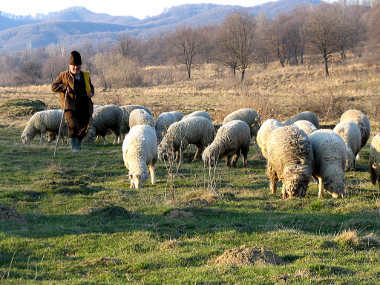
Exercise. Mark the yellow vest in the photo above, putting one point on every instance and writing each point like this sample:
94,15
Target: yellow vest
86,76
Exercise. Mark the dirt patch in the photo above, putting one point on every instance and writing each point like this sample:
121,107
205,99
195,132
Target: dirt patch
180,215
8,214
21,107
245,256
106,212
197,202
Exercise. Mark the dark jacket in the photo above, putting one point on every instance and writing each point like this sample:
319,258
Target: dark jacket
78,106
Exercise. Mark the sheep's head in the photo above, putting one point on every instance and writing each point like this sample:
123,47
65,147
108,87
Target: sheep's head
137,179
209,159
51,136
335,186
350,162
26,138
91,134
165,150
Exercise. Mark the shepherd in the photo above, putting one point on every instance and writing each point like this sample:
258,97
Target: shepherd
75,92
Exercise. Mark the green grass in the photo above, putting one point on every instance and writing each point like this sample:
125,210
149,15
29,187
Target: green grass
83,225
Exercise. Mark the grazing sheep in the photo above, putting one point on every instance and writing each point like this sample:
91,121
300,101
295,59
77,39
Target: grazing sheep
140,117
329,152
198,114
350,133
263,134
193,130
231,139
164,120
361,120
290,160
306,126
307,115
43,122
103,119
140,154
127,109
374,160
247,115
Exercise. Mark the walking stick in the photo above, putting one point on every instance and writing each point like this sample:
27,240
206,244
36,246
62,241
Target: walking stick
60,124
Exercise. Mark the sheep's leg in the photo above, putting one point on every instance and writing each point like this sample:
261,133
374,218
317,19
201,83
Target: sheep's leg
273,179
235,158
197,153
152,173
320,187
104,140
41,137
244,151
131,185
228,161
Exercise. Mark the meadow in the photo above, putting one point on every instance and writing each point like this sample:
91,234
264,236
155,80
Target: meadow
72,219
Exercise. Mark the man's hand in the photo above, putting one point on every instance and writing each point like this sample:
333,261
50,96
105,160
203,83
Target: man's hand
90,94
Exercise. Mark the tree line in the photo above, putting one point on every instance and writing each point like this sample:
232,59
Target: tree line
240,41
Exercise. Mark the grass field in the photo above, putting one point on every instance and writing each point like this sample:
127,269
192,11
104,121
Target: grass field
74,220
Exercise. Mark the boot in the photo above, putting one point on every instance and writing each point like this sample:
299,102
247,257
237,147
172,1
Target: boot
79,143
74,144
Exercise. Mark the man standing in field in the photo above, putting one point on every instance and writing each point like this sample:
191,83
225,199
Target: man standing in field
75,90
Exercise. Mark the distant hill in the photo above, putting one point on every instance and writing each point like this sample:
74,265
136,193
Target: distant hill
77,25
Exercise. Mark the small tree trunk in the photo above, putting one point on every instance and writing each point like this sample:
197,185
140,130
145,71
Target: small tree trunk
188,67
242,75
326,59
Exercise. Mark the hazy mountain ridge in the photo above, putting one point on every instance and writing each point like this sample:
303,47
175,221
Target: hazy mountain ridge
76,25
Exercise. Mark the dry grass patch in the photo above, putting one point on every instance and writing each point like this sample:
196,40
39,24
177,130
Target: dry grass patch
180,215
245,256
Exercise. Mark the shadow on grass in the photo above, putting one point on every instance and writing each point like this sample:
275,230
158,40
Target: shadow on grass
112,219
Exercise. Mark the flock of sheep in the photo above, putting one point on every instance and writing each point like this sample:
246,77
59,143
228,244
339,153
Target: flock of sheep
296,150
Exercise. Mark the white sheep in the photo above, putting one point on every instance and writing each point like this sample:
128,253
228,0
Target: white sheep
231,139
307,126
329,151
140,154
164,121
44,122
361,120
307,115
193,130
97,106
106,118
374,160
127,109
140,117
350,133
265,130
289,159
250,116
198,114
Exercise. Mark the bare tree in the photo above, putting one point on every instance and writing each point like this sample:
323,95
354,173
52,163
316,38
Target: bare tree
263,47
373,28
322,31
351,30
186,42
237,41
127,45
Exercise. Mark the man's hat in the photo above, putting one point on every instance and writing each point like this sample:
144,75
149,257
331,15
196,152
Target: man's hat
75,58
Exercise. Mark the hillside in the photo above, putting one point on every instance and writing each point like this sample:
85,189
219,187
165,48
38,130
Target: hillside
17,33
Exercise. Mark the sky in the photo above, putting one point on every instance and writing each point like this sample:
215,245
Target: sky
139,9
